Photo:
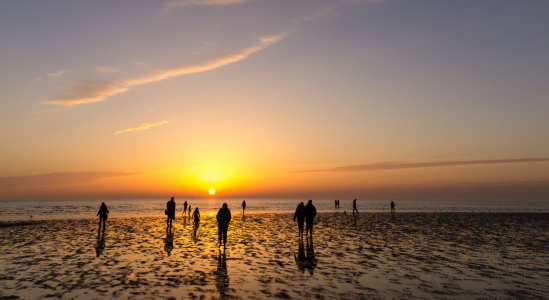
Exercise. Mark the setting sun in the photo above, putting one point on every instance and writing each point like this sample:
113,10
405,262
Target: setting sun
212,191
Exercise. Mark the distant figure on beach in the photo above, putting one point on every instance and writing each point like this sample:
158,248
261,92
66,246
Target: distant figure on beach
310,213
335,203
392,206
103,214
189,210
354,207
196,216
170,211
300,215
243,205
185,208
223,218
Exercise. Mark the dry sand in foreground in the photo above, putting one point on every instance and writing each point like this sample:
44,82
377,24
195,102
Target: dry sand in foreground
372,256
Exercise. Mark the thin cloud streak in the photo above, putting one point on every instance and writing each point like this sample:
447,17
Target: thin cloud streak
403,165
95,91
56,179
141,127
204,2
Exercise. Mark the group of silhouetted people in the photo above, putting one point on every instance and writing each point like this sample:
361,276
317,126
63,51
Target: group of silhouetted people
304,214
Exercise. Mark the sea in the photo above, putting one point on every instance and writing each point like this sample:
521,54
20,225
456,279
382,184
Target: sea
61,209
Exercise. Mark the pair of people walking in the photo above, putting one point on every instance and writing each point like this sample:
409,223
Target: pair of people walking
305,213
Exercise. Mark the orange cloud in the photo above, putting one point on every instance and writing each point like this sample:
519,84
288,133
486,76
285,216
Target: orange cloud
407,165
141,127
95,91
56,179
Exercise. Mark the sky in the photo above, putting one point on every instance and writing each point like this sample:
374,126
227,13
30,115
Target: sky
394,99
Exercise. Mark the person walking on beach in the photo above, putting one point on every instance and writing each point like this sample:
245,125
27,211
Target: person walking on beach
185,208
196,215
189,210
103,214
300,214
243,205
170,209
223,218
310,213
354,207
335,203
392,206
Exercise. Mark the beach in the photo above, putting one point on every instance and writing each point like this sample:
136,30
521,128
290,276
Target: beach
379,255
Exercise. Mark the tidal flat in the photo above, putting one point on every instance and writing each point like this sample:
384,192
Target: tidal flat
365,256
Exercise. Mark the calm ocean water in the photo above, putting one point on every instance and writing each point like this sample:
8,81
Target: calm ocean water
48,209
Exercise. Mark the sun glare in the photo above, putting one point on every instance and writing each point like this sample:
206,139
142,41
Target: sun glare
212,191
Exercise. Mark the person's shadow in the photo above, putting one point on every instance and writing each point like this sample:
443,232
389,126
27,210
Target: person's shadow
100,244
222,277
184,220
194,235
168,241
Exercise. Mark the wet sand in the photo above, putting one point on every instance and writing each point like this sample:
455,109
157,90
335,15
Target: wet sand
372,256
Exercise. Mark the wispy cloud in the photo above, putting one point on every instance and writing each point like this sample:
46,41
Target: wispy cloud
95,91
58,74
103,69
141,127
56,179
411,165
204,2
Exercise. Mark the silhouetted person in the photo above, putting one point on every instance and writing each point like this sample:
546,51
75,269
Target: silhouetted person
243,205
310,213
185,208
103,214
168,242
335,203
100,245
170,207
392,206
354,207
189,210
223,218
196,216
222,277
300,215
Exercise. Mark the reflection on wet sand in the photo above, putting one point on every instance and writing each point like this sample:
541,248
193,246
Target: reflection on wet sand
309,261
100,244
409,256
221,275
194,235
168,241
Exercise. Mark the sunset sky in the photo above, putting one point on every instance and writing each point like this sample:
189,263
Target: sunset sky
274,98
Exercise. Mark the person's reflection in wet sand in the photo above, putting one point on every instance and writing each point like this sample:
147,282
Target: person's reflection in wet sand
100,244
300,257
168,241
194,235
222,277
184,220
355,220
311,259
